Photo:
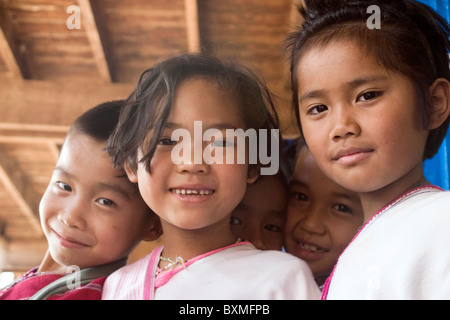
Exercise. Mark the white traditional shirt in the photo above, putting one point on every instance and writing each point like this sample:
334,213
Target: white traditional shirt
235,272
403,252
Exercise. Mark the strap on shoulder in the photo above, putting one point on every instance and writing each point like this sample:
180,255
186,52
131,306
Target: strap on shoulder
85,276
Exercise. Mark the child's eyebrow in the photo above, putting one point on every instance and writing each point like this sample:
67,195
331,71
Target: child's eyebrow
218,125
101,185
171,125
297,183
64,172
221,126
114,187
348,196
364,80
351,84
312,95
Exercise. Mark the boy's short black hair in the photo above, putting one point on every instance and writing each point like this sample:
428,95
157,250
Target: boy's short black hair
100,121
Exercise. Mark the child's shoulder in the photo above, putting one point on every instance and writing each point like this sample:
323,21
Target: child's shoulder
430,201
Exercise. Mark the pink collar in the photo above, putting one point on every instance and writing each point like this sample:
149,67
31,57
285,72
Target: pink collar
152,282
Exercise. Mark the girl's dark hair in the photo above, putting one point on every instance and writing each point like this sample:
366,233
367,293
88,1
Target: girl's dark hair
147,108
413,40
98,122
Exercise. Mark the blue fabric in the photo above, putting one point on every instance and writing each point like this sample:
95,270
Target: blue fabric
437,169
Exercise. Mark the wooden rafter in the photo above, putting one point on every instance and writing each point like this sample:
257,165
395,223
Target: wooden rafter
19,133
192,26
92,23
17,184
50,135
8,48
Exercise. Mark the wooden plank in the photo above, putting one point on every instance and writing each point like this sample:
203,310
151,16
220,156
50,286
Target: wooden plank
8,50
17,184
54,103
192,26
25,133
92,24
22,255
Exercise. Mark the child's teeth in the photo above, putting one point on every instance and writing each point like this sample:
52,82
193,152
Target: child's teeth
311,247
192,192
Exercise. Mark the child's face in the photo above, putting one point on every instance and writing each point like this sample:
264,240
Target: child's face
361,122
322,217
194,196
91,213
261,215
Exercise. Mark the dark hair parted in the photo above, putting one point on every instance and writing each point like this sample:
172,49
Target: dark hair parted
147,108
413,40
98,122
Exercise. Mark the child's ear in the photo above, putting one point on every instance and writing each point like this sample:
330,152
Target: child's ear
253,173
154,229
132,176
440,97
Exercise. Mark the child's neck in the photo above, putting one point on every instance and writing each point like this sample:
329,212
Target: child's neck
188,244
48,264
373,202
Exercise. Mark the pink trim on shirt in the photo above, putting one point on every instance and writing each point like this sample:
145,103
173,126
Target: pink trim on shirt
153,282
326,286
149,283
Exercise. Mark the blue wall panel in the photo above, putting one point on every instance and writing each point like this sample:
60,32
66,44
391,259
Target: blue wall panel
437,169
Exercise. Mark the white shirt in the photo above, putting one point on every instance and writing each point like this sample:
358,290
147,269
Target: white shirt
403,252
237,272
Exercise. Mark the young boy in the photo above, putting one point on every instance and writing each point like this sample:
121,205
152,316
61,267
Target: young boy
261,215
322,216
91,214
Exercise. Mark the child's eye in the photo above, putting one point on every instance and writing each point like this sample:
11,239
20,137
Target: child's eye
272,227
222,143
317,109
342,208
63,186
235,221
167,142
105,202
369,95
299,196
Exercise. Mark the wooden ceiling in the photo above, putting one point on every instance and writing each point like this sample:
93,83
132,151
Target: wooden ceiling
51,72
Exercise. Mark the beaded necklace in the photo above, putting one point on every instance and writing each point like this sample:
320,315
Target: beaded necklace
178,261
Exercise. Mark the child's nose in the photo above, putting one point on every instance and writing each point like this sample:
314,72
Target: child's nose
312,221
73,216
195,163
344,124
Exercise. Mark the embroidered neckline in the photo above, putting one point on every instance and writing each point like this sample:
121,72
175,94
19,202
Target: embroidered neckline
179,262
405,196
153,281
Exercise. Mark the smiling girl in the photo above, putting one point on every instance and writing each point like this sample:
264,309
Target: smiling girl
372,105
201,258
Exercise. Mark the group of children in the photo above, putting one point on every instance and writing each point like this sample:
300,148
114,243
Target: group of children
355,215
